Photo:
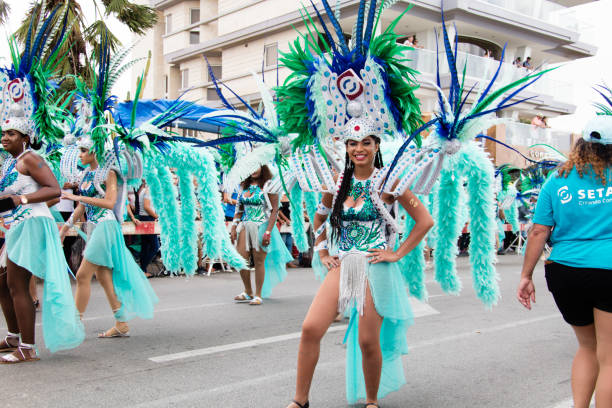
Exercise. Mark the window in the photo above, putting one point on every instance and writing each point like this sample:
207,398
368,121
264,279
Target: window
194,15
216,69
166,84
168,23
194,37
211,94
184,79
271,55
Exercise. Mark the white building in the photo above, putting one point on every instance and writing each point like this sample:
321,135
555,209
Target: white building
238,37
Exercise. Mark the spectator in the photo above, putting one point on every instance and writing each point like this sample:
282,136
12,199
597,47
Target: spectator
538,121
517,62
284,218
149,243
410,41
229,206
527,64
573,212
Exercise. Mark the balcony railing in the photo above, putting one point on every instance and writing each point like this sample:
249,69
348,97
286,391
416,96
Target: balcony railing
482,69
522,134
543,10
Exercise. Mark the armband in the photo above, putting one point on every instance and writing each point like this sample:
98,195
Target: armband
320,246
322,209
320,230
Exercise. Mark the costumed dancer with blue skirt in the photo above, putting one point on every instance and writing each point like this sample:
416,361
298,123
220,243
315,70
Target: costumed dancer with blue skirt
32,247
32,244
128,291
255,233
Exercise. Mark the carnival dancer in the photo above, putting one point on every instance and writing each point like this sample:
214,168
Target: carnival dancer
255,233
364,277
128,291
32,247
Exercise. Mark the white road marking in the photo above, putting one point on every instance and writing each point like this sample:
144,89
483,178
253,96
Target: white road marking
180,308
199,395
419,309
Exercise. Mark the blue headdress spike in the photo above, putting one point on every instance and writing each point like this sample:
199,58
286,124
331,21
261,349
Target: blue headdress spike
370,26
336,25
359,27
605,88
452,65
328,35
488,88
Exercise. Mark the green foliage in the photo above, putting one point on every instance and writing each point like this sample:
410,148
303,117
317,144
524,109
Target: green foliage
81,35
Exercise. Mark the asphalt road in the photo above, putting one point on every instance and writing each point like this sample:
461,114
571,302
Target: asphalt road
202,350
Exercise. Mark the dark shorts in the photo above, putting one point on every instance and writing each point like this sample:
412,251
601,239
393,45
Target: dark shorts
577,291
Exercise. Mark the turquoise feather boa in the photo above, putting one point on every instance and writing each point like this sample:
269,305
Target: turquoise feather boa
413,264
189,232
163,196
447,228
479,170
298,228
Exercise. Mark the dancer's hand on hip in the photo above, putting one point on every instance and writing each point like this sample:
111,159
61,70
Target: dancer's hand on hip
330,262
377,255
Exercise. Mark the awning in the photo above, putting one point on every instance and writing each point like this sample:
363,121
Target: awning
147,109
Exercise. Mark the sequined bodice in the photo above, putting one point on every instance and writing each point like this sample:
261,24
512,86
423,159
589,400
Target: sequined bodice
254,205
88,189
362,225
16,183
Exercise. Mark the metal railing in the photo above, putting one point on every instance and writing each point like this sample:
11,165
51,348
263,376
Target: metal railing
544,10
482,69
522,134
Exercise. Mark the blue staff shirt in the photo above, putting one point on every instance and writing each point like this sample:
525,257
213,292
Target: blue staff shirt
580,212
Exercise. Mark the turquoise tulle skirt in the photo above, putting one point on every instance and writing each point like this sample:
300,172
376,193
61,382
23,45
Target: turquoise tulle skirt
277,257
391,301
106,247
34,244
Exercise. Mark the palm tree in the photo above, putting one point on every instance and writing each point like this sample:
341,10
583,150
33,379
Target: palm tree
4,11
83,37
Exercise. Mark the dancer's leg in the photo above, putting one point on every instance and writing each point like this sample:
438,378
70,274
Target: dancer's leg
320,316
83,289
369,342
585,366
105,277
245,274
603,330
259,257
18,280
8,309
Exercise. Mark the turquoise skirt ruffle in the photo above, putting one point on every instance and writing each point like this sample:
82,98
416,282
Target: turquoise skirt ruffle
107,248
34,244
391,302
277,257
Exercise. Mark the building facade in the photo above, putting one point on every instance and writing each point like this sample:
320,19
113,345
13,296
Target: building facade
234,39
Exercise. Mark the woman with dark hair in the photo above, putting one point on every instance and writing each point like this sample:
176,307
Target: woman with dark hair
32,247
364,279
255,233
574,210
128,291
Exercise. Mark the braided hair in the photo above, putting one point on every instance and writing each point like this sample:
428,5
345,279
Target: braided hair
349,167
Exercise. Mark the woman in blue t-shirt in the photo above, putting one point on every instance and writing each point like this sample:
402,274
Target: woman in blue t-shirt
574,209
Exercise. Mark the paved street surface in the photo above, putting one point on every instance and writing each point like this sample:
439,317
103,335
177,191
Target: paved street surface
202,350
